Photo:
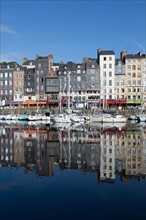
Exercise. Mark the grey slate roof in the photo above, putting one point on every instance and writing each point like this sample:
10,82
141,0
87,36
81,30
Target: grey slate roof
106,52
133,56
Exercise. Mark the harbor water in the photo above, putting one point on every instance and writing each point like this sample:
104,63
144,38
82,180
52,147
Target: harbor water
65,172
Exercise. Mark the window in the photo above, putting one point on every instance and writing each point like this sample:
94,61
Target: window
110,82
104,58
133,67
110,74
129,67
10,92
138,96
10,75
133,74
6,82
134,82
122,90
138,67
78,78
110,58
104,74
6,75
39,65
10,82
129,89
129,83
129,74
1,75
78,71
110,65
139,74
138,89
104,66
29,89
122,82
139,82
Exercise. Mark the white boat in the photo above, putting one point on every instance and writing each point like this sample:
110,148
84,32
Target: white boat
15,117
78,119
23,117
96,118
34,117
62,118
107,118
114,119
141,117
2,117
8,117
47,117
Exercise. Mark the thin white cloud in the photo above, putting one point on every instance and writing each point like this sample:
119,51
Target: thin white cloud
10,56
139,45
7,29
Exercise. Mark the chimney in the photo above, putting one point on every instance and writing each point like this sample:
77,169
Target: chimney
24,59
50,64
98,53
123,54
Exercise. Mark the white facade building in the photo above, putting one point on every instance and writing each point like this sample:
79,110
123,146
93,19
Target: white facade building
106,60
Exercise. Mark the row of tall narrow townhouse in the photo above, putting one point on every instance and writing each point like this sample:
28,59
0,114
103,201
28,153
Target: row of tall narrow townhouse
103,80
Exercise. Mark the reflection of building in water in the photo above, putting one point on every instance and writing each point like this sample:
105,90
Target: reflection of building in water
143,160
19,158
103,151
79,150
107,156
53,150
129,152
35,150
6,147
133,150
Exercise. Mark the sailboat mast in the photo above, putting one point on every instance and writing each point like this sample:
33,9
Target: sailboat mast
68,91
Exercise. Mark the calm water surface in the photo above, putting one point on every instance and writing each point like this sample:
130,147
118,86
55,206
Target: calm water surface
64,173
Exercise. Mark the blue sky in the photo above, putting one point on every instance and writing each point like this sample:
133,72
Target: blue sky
70,30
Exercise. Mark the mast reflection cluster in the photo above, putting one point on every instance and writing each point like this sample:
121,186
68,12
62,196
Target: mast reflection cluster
105,151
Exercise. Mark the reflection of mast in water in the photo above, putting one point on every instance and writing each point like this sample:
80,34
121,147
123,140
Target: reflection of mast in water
69,150
38,151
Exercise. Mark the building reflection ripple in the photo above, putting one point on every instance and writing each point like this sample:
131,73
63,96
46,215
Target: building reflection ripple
106,151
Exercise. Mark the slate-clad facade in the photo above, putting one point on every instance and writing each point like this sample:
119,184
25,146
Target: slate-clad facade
6,85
